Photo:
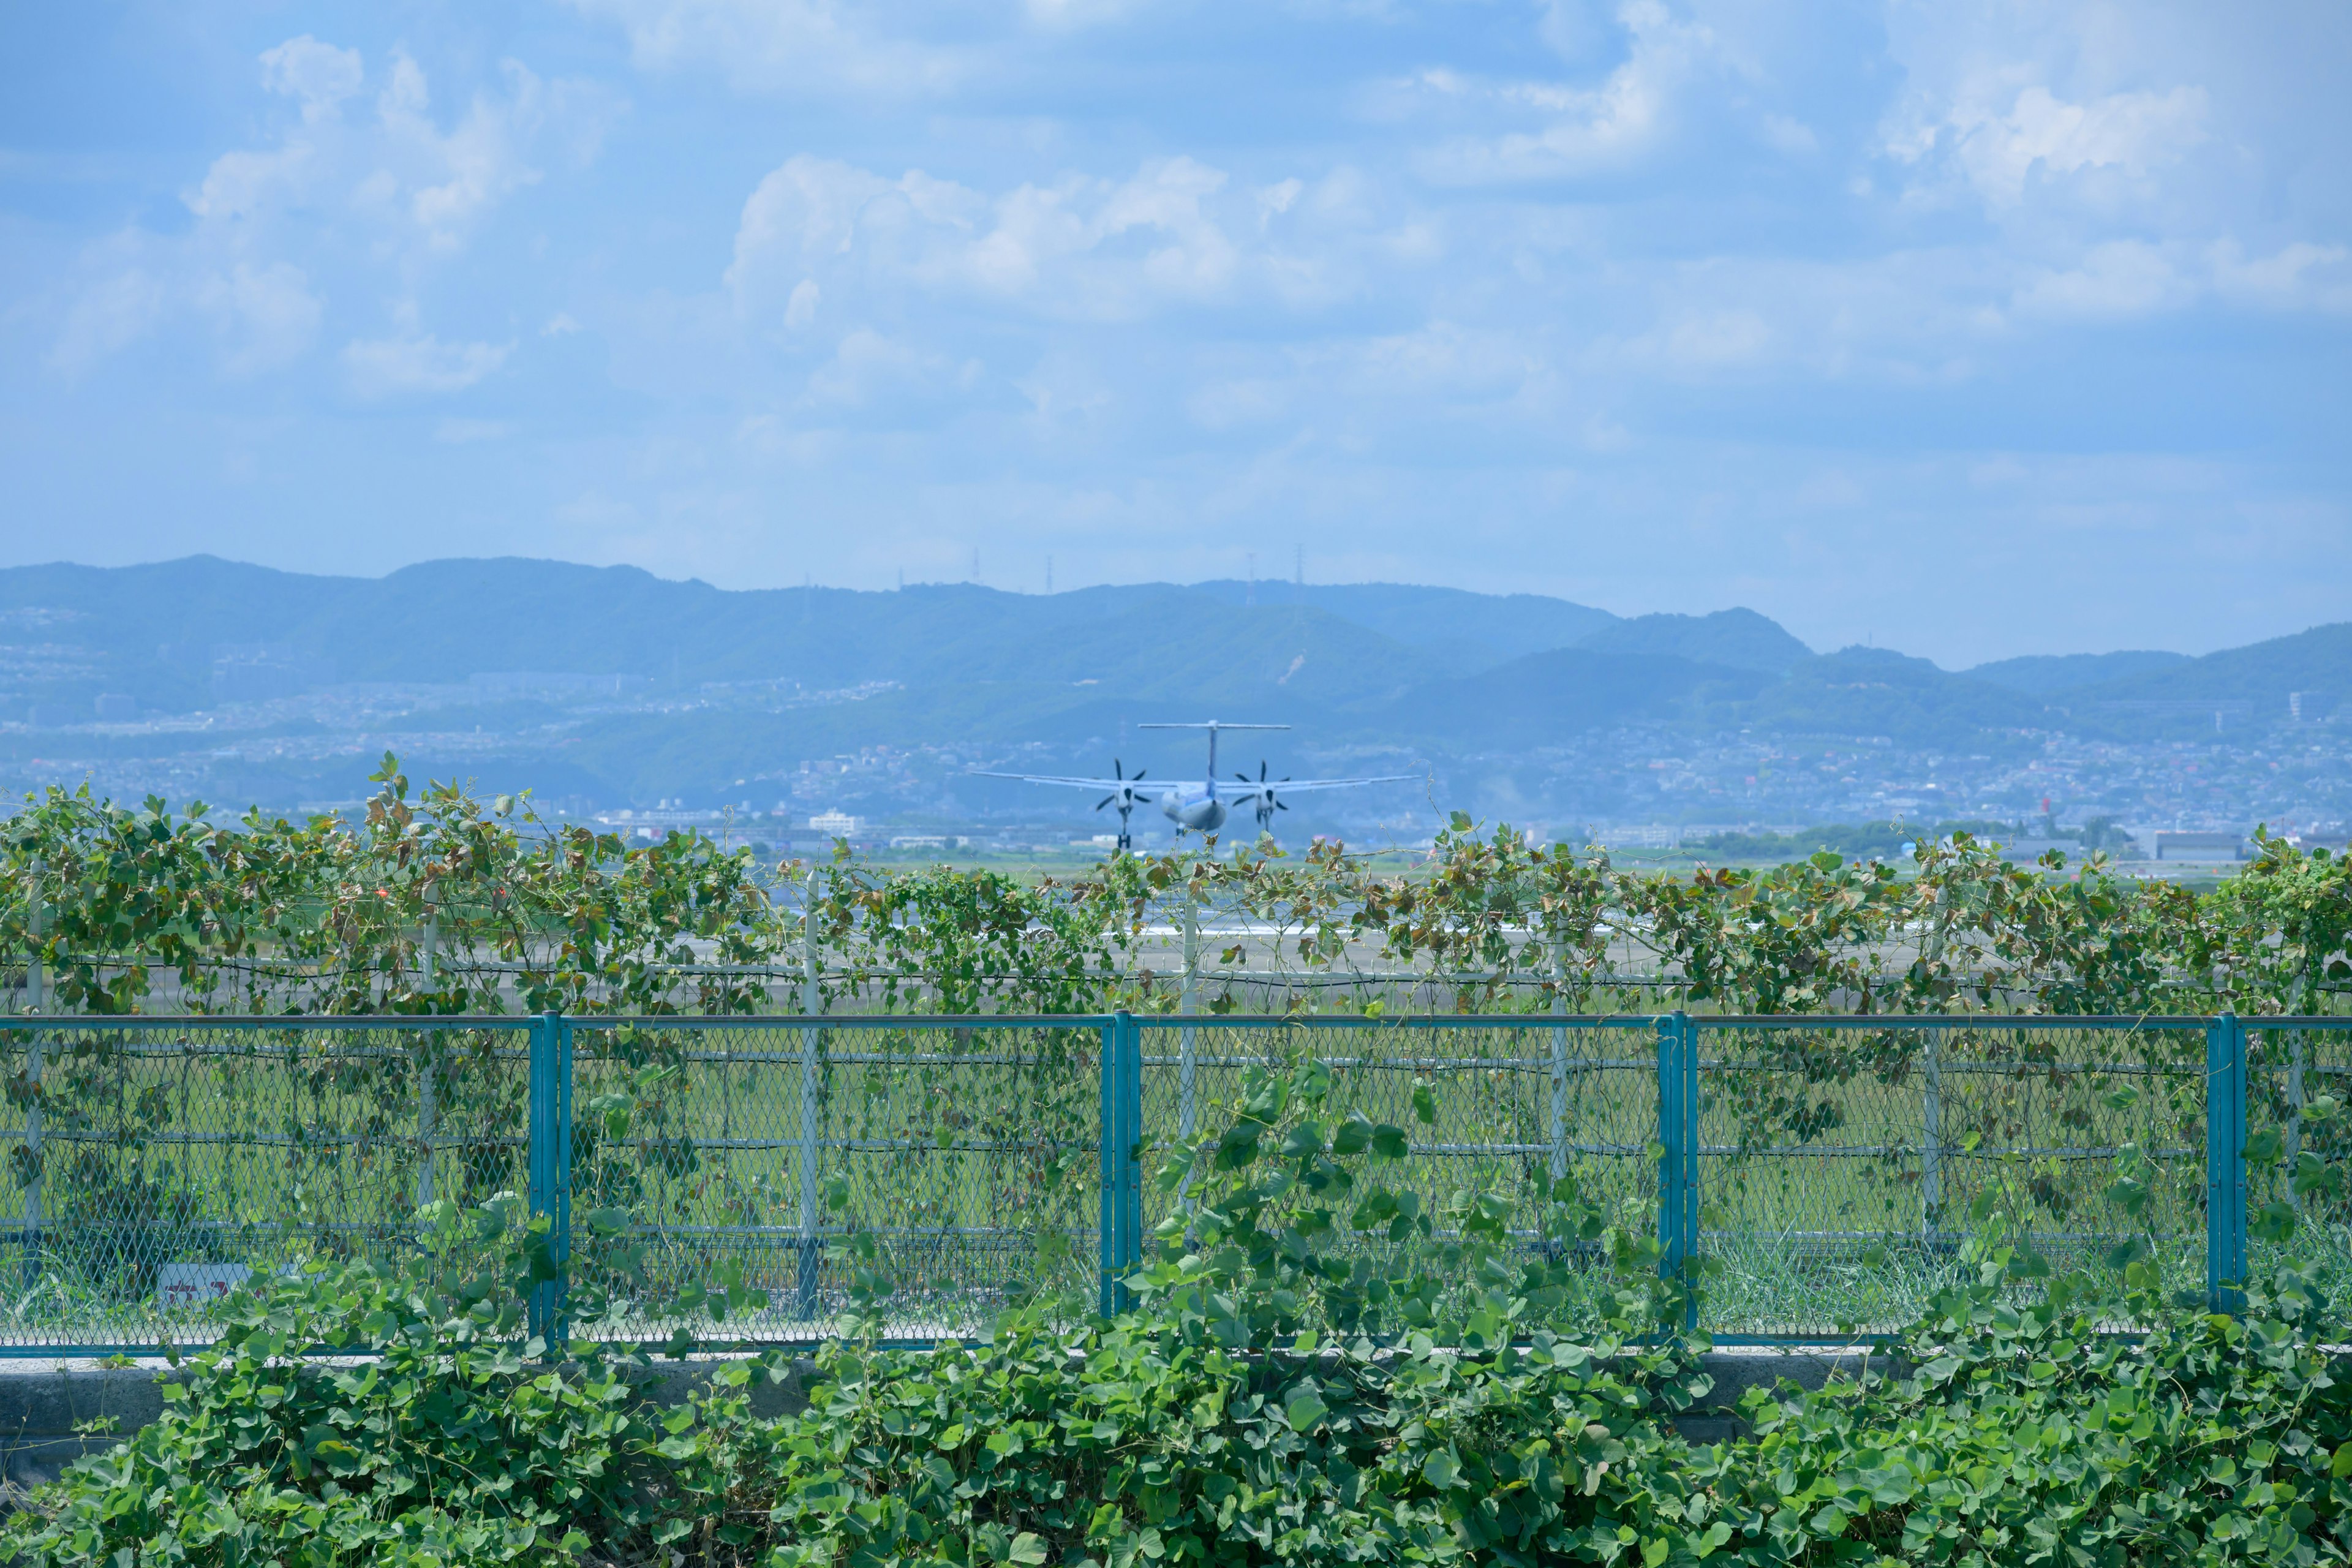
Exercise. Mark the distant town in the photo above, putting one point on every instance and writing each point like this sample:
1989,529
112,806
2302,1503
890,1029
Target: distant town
1631,788
1673,736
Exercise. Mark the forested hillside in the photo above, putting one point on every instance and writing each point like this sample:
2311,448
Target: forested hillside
605,682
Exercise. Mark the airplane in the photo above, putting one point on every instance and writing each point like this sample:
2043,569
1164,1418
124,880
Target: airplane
1195,807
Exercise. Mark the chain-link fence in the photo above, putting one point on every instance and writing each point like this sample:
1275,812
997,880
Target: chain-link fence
1514,1106
722,1180
1843,1161
952,1163
155,1163
2297,1076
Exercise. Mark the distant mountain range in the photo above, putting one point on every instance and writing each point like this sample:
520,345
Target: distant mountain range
709,683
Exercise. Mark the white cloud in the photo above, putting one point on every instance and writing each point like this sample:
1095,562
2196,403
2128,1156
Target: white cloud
2132,133
869,369
394,182
1588,130
2126,279
822,236
266,314
808,45
386,367
320,75
2298,276
2117,279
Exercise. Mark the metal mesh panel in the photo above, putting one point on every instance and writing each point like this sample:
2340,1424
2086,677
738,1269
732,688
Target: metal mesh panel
2288,1067
1839,1161
152,1169
152,1164
957,1162
1515,1105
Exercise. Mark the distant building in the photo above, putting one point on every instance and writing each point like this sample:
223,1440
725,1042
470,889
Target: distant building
839,824
257,672
2200,845
555,683
114,708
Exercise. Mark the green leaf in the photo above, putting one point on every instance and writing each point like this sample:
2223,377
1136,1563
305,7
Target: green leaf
2340,1466
1304,1411
1439,1469
2274,1222
1354,1136
2266,1147
1389,1142
1424,1103
1027,1549
1238,1147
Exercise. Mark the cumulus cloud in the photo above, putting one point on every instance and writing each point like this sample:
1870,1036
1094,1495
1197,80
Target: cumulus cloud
320,75
387,367
2119,279
819,235
768,45
2003,142
266,314
868,369
1583,131
2299,275
394,180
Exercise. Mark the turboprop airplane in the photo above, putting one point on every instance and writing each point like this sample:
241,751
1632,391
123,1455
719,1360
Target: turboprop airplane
1196,807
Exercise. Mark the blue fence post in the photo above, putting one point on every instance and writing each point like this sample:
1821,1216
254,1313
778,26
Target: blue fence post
1122,1160
1678,1138
2225,1163
551,1164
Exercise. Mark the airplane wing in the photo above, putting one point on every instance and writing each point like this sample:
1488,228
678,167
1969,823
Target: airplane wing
1296,786
1153,786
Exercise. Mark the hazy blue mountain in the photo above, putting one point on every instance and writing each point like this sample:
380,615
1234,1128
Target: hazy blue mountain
1863,691
1548,698
1469,631
156,632
738,685
2046,674
2261,675
1739,638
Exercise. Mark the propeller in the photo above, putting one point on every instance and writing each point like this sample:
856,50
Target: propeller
1123,796
1267,802
1123,777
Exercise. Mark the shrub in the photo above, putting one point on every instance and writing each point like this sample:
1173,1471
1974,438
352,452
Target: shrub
1315,1371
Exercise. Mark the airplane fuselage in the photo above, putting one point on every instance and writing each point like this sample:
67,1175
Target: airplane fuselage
1193,810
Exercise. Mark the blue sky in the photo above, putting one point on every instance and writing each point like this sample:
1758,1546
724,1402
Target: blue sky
1969,330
